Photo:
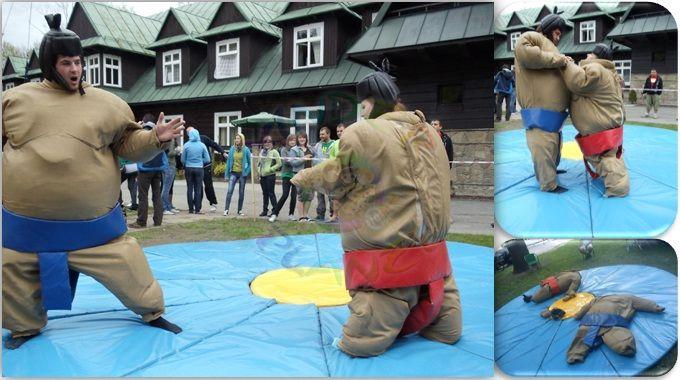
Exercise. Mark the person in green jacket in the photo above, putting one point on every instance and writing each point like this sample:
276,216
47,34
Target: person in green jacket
288,170
269,163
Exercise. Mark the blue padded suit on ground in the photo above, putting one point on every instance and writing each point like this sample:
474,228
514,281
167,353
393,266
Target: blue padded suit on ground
228,331
529,345
524,211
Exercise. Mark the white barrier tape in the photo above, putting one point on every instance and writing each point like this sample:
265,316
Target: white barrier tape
642,89
324,159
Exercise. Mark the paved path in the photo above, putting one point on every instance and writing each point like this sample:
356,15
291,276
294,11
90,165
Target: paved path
469,216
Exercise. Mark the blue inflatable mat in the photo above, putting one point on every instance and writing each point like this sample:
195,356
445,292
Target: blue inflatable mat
524,211
529,345
228,331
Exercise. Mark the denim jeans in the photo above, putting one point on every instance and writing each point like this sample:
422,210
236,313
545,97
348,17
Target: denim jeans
194,188
233,177
168,179
268,184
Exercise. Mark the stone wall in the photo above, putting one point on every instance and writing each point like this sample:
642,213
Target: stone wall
668,98
472,179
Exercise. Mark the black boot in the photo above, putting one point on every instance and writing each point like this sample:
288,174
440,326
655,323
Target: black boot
526,298
559,190
264,213
164,324
14,343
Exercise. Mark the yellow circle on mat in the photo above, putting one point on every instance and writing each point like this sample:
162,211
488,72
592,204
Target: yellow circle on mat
571,151
303,285
572,306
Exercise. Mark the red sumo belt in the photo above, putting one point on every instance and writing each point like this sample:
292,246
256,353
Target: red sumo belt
552,282
403,267
600,142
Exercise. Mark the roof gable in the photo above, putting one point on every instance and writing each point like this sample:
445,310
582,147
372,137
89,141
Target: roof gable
544,12
171,27
7,68
226,14
515,20
33,61
587,7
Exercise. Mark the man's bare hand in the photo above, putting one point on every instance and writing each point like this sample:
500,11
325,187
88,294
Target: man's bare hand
169,131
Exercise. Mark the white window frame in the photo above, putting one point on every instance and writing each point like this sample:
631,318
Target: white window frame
113,67
308,40
514,37
624,65
9,85
167,118
172,63
37,80
237,54
90,68
218,125
306,121
587,26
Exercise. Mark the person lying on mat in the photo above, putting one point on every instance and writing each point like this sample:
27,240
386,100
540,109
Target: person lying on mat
598,115
60,214
543,96
606,320
390,179
566,282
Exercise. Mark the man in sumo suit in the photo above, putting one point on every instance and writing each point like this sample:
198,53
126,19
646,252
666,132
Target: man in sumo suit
61,183
390,178
598,115
543,96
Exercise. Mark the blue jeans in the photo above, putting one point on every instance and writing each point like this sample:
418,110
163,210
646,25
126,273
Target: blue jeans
194,188
168,179
233,177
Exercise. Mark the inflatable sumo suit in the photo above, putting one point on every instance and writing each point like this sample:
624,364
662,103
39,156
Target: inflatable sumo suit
598,114
60,191
605,320
390,179
566,282
543,96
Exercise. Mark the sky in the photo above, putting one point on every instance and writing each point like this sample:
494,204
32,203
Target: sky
16,17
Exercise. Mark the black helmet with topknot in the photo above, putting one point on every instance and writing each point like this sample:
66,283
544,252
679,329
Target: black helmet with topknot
379,85
553,21
603,51
58,41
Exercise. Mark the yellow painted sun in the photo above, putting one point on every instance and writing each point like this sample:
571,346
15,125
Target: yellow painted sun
571,151
572,306
303,285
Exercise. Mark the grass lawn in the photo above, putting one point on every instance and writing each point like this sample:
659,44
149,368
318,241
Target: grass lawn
508,286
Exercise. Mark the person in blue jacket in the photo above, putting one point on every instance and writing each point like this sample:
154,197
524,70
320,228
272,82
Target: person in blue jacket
504,85
237,169
194,157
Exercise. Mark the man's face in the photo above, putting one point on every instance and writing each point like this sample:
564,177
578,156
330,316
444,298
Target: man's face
437,125
366,107
556,35
591,56
71,69
653,72
323,135
339,131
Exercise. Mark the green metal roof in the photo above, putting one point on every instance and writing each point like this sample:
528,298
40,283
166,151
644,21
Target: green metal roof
175,39
265,77
641,25
425,28
226,28
566,46
34,72
315,10
264,11
19,64
592,15
528,16
120,29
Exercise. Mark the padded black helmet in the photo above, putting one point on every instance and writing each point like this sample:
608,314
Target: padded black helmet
58,41
381,86
553,21
557,313
603,51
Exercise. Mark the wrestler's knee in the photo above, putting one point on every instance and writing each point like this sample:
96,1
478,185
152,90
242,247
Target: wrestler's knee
620,340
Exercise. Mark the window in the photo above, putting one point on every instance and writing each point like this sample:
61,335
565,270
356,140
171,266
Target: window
307,120
227,59
167,119
35,79
514,37
308,45
225,133
112,71
623,68
9,85
587,31
172,67
92,69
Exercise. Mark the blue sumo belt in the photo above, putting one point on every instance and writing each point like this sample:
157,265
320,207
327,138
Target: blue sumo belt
51,240
596,320
547,120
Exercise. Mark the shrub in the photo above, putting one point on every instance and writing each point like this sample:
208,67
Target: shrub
632,97
219,168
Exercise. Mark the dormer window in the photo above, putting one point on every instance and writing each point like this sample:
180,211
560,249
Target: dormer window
172,67
9,85
514,37
92,69
112,71
37,80
227,59
587,31
308,45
